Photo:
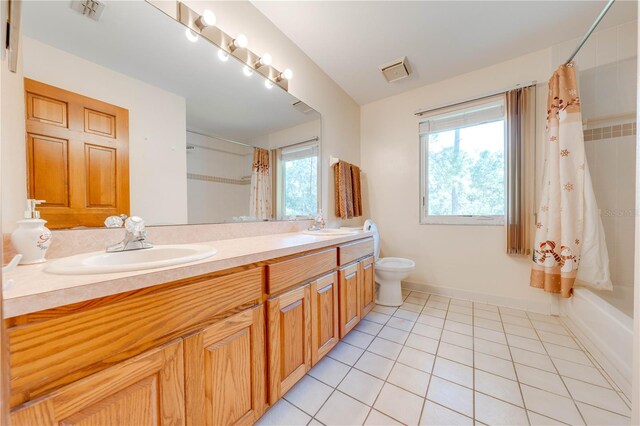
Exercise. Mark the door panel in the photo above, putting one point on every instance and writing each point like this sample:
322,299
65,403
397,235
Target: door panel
349,298
225,371
94,135
99,123
100,175
289,340
46,110
324,316
145,390
48,178
368,285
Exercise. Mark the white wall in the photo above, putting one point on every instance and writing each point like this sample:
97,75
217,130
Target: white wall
214,202
340,113
467,258
157,132
12,133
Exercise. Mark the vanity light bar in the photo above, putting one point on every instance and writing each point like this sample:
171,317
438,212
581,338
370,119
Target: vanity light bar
234,46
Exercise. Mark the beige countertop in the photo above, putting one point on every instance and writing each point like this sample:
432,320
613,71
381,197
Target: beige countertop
35,290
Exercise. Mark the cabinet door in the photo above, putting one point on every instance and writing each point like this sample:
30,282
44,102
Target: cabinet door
145,390
349,298
367,285
225,371
324,316
289,340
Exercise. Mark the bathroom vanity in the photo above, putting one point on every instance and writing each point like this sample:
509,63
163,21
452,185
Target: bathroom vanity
212,348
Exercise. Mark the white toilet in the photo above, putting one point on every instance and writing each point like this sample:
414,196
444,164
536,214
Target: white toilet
390,271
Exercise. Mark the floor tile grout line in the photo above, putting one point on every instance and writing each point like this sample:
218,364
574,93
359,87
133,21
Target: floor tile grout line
596,363
385,380
565,384
433,366
524,403
335,389
409,332
473,359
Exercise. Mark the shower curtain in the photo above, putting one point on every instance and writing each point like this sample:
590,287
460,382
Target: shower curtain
569,246
260,203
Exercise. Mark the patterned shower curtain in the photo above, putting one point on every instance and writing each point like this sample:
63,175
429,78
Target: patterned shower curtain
569,246
260,203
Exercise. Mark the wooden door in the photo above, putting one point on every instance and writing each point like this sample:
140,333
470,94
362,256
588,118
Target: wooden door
367,285
225,371
325,332
77,156
289,340
145,390
349,298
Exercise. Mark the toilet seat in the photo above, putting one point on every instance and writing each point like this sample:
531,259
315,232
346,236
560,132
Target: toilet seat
395,264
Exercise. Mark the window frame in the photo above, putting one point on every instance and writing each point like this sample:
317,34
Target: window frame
423,140
281,181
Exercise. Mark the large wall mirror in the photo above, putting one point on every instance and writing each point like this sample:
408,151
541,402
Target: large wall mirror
127,115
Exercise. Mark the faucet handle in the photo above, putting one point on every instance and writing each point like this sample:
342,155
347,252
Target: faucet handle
134,224
114,221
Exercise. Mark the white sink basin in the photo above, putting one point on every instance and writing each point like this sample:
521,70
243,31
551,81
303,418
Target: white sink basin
330,232
102,262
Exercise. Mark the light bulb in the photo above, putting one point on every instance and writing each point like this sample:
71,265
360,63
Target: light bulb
208,18
287,74
223,56
191,36
247,71
268,84
265,59
241,41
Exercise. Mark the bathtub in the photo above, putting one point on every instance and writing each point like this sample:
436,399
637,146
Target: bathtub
603,323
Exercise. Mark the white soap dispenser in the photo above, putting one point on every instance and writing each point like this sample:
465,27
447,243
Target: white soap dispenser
32,238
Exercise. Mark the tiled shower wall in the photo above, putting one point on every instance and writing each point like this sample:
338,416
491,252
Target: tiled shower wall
607,67
611,162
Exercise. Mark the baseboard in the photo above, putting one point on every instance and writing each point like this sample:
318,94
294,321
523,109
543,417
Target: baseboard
547,308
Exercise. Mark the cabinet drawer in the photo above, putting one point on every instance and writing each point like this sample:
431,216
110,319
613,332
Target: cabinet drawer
347,253
48,354
298,270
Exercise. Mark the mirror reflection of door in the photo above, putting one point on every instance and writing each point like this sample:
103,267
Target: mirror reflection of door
77,156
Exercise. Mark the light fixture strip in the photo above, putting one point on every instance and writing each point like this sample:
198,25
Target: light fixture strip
222,40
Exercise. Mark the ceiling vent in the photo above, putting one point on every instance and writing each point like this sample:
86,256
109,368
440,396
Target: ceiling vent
89,8
396,70
302,107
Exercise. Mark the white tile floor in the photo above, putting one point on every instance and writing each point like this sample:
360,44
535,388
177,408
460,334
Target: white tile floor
441,361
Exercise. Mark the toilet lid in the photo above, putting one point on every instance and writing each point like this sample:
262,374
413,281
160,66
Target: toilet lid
395,263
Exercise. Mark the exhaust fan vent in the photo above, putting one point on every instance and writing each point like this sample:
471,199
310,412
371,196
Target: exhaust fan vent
302,107
89,8
396,70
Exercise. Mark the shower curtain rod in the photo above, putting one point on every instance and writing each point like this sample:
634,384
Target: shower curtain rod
590,30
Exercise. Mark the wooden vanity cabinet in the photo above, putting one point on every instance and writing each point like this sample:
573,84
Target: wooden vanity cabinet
289,340
325,327
225,377
191,352
367,285
145,390
349,298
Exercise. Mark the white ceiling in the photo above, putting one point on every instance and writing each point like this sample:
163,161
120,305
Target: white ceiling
136,39
350,39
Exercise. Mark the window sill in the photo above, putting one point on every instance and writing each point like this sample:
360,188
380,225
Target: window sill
463,220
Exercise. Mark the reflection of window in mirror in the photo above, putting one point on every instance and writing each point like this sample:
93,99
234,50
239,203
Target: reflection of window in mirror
297,181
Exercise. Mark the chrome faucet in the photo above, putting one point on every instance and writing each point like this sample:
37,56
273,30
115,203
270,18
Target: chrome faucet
136,234
318,222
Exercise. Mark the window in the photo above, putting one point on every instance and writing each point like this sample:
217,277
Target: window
463,164
298,169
